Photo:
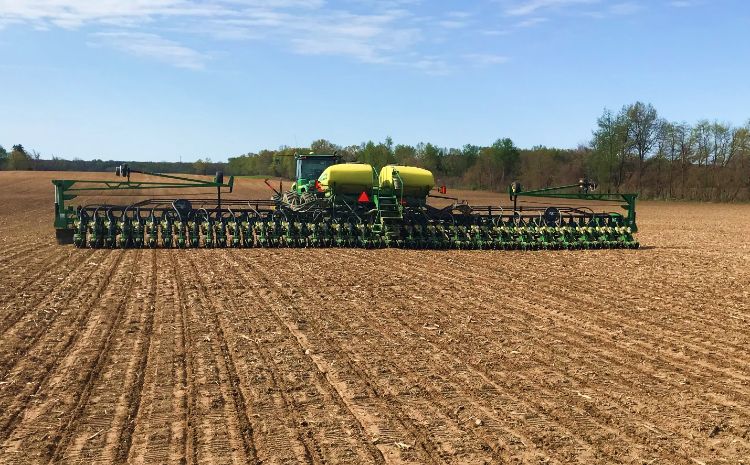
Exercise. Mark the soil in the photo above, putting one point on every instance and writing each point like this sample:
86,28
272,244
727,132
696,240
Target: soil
348,356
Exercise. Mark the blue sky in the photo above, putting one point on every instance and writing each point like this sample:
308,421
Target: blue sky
164,79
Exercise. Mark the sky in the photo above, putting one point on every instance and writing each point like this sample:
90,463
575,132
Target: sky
183,79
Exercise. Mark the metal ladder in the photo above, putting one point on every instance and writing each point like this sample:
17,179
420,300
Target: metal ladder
389,213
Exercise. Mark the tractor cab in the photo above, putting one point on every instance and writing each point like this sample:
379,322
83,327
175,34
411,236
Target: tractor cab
309,168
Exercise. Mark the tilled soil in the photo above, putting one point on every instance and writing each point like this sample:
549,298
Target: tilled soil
354,356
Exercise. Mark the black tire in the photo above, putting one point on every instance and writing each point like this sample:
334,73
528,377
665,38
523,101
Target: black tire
64,236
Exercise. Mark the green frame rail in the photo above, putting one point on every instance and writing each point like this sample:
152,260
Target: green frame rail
69,189
584,188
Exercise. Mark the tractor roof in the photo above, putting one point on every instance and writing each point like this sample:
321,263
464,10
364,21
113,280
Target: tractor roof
302,156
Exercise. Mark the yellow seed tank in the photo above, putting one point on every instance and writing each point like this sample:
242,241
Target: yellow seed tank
417,182
347,178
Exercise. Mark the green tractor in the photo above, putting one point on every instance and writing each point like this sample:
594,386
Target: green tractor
309,168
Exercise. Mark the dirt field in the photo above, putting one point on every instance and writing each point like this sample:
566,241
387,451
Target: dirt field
386,356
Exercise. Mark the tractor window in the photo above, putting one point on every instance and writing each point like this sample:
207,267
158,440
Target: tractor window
311,168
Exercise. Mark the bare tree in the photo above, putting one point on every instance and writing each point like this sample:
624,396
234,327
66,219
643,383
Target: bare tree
682,135
610,149
667,150
643,129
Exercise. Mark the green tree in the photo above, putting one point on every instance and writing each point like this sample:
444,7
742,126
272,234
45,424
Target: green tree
405,154
18,159
378,155
3,157
243,165
643,129
389,144
322,146
454,163
471,152
670,135
543,167
507,157
431,157
496,166
606,162
200,166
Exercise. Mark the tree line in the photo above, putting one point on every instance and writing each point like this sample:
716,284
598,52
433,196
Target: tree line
18,158
21,159
632,149
635,149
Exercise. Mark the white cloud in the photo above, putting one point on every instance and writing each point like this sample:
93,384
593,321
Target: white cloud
529,7
531,22
495,32
431,65
371,38
598,9
384,32
683,3
4,22
154,47
486,59
459,14
452,24
617,9
76,13
623,9
403,33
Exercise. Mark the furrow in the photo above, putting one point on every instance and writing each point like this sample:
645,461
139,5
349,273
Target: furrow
96,433
29,376
458,398
428,419
602,330
158,424
17,255
700,409
37,409
541,290
244,428
358,448
187,397
215,438
64,280
135,392
607,435
99,354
